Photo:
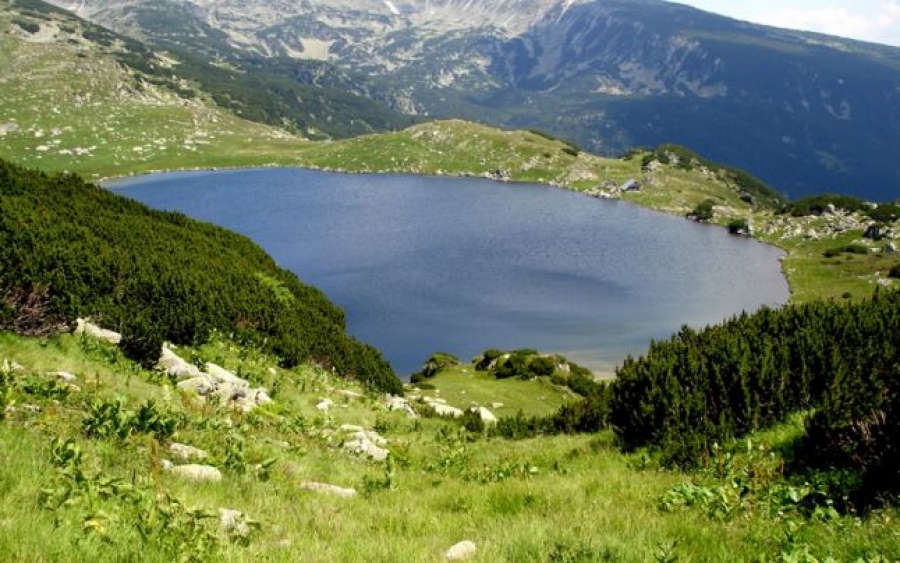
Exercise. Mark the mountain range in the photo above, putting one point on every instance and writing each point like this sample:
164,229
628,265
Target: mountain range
805,112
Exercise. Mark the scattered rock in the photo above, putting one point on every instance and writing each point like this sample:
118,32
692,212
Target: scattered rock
194,472
350,394
496,406
65,377
328,489
84,327
486,415
325,405
186,452
351,428
173,365
462,550
441,407
400,404
216,381
233,522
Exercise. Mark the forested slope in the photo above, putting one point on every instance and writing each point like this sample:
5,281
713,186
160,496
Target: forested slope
68,249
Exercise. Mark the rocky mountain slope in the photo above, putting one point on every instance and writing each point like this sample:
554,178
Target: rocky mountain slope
805,112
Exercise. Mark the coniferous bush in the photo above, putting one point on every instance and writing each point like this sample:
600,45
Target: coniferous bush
70,249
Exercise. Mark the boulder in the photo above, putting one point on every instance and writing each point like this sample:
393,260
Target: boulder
201,385
233,522
363,445
195,472
401,404
328,489
82,326
445,410
325,405
350,394
174,365
186,452
65,377
462,550
486,416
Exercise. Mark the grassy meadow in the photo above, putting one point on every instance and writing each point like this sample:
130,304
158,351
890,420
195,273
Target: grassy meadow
560,498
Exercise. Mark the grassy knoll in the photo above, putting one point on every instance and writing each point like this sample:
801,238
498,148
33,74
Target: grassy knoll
564,498
463,386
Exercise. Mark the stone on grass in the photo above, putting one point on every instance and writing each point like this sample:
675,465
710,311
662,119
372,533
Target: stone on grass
174,365
328,489
65,377
186,452
486,415
365,446
82,326
233,522
195,472
446,410
462,550
325,405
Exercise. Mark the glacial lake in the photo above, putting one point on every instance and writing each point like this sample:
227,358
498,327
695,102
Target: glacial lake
424,264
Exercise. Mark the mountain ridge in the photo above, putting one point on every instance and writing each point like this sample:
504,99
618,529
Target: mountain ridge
806,112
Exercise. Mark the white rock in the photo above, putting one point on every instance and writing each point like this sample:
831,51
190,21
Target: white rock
221,374
350,394
194,472
186,452
233,522
445,410
362,445
174,365
496,405
66,377
462,550
84,327
486,415
351,428
327,488
200,385
325,405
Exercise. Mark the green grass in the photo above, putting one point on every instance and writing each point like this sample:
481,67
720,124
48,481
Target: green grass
563,498
462,387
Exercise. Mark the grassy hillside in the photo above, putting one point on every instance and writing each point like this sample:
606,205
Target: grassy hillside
77,489
66,103
70,249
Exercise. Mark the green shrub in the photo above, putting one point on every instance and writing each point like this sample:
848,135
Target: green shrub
703,212
141,341
738,226
895,272
704,387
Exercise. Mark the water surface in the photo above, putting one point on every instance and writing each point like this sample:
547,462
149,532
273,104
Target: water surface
422,264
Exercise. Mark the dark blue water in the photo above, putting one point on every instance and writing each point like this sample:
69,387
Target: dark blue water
422,264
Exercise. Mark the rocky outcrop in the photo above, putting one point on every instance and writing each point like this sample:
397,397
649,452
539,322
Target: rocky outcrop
216,382
364,442
395,403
